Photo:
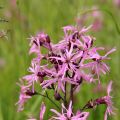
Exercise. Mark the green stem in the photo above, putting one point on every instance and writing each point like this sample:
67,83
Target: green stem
65,101
47,96
71,93
52,101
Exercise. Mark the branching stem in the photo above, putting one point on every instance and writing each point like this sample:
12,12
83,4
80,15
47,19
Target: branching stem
47,96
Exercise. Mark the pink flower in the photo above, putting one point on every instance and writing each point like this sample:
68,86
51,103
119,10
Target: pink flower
68,30
88,42
23,96
37,74
41,39
68,114
98,66
57,80
67,61
35,47
108,102
33,77
72,34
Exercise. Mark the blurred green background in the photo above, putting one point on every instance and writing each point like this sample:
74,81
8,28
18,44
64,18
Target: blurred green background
27,17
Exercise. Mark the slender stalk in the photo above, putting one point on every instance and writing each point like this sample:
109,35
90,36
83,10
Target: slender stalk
71,93
52,101
65,101
93,103
47,96
40,94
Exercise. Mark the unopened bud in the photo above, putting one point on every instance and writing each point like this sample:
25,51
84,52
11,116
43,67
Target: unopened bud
41,74
47,39
41,79
57,96
30,93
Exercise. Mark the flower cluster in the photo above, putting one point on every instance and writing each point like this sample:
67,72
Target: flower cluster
65,66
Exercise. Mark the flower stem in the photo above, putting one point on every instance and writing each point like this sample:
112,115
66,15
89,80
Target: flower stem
65,101
71,93
52,101
47,96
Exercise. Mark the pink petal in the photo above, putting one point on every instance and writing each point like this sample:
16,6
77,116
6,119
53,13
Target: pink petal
42,111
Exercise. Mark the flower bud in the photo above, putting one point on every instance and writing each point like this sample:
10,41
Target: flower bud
47,39
30,93
41,74
41,79
57,96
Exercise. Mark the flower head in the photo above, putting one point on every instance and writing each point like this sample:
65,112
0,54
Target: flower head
33,77
23,96
98,65
62,68
67,114
41,39
108,102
